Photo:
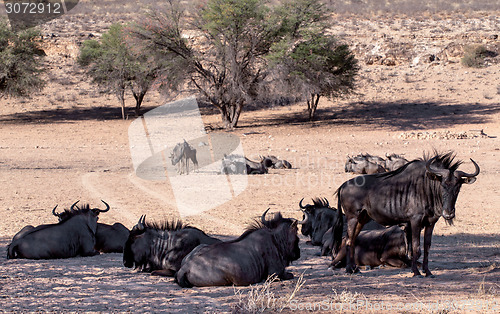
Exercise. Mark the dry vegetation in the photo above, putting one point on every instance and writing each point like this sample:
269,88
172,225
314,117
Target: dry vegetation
69,143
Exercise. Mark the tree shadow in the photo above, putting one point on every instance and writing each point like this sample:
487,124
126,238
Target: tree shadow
68,115
393,115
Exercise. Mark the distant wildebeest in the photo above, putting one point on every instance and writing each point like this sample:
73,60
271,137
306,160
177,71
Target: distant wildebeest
383,246
183,152
108,238
418,193
72,236
275,163
364,164
238,164
261,251
160,248
394,161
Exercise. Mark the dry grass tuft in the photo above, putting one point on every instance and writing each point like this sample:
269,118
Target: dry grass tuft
262,298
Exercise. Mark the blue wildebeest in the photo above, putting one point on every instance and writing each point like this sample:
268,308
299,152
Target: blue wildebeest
183,152
418,193
394,161
275,163
108,238
261,251
160,248
72,236
238,164
364,164
380,246
320,217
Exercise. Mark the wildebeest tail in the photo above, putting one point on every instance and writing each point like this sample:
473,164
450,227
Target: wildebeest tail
181,279
338,226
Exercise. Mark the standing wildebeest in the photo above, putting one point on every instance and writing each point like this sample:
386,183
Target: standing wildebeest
184,152
418,193
394,161
108,238
261,251
73,236
161,248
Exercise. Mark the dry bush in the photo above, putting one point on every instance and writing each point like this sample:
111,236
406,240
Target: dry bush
474,56
262,298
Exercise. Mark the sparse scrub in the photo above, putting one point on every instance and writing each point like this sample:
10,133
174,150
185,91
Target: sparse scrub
474,56
261,298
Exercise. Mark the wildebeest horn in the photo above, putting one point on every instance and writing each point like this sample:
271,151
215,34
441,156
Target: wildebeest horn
436,171
461,174
74,204
306,219
327,203
104,210
141,222
54,212
300,204
263,217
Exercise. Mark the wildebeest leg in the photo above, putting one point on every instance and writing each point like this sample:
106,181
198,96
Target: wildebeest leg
340,259
415,230
286,276
353,229
163,272
427,245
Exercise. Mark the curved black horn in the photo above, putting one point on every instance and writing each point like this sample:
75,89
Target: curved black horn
306,219
54,212
140,223
104,210
73,206
436,171
263,217
327,203
300,204
461,174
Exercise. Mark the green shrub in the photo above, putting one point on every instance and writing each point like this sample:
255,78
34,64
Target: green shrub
474,56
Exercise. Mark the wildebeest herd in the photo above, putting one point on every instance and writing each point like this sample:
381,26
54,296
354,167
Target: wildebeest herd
378,221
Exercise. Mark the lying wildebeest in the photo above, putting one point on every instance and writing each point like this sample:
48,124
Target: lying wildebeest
261,251
72,236
238,164
394,161
108,238
320,217
275,163
418,193
362,166
184,152
160,248
384,246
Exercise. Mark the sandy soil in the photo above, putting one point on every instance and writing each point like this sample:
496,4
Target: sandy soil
69,143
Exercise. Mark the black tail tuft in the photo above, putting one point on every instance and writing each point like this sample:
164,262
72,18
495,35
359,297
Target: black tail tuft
338,227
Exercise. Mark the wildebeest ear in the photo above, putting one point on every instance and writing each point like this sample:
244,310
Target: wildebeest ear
469,180
433,176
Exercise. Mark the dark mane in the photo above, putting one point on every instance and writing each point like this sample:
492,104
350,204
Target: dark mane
269,224
444,160
393,155
171,225
69,213
319,202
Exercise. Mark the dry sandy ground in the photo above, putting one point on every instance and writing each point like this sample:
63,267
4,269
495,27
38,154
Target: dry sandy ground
68,143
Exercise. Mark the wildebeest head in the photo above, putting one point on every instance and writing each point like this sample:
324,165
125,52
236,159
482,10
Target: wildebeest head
76,210
177,153
320,218
442,169
394,162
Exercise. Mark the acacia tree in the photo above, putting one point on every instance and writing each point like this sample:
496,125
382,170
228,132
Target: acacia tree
20,62
114,65
229,62
311,62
